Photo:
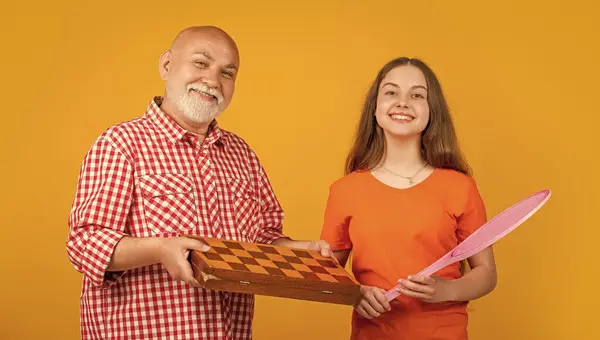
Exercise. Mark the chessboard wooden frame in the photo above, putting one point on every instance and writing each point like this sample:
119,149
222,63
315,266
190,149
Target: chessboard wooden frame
346,293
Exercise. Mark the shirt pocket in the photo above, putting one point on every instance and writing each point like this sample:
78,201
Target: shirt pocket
169,203
246,208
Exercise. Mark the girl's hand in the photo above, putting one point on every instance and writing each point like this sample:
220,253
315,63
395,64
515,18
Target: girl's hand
372,302
427,288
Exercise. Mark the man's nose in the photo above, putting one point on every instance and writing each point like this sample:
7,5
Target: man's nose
211,79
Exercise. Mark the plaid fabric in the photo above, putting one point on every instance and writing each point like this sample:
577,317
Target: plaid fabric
150,178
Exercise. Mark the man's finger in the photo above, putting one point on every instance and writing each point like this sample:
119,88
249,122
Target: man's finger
194,283
195,244
187,274
190,279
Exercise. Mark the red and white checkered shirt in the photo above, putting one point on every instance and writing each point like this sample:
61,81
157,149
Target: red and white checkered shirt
151,178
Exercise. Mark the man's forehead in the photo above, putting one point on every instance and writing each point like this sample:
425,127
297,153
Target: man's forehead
214,51
210,44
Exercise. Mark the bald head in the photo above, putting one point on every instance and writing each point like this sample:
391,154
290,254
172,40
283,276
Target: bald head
208,33
199,70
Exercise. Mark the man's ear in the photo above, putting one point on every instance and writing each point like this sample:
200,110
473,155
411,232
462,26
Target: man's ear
164,64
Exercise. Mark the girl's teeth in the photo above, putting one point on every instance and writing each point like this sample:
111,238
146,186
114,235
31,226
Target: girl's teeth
401,117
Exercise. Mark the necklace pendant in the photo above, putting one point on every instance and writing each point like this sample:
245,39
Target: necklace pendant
410,181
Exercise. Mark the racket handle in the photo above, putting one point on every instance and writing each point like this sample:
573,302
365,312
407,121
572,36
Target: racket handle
392,293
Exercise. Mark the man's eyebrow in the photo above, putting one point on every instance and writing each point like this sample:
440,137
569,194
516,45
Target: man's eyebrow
208,56
205,54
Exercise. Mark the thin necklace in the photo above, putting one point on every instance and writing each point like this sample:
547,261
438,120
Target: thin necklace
409,178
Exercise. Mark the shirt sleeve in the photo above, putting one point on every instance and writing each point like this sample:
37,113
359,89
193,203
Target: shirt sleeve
99,213
336,220
271,213
474,214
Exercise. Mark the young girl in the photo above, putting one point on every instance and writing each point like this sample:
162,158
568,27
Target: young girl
407,199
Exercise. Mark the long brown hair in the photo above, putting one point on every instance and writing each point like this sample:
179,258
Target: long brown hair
439,144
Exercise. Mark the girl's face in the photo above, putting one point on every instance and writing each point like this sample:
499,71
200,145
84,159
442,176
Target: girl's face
402,108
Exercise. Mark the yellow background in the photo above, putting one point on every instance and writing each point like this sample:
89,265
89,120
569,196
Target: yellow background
521,78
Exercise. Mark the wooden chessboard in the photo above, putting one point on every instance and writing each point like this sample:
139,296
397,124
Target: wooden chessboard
273,271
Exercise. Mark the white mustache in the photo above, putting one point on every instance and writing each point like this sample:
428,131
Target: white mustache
205,89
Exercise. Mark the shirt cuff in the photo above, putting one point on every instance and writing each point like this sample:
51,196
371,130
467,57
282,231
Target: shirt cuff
101,246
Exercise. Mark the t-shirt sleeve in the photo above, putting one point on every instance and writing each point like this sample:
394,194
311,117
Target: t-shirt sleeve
336,220
474,214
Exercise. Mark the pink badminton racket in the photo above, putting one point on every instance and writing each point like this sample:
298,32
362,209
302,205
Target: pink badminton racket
486,235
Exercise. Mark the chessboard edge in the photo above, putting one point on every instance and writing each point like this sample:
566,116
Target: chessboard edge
314,252
200,265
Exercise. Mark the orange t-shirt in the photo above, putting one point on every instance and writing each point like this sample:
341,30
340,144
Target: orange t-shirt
397,232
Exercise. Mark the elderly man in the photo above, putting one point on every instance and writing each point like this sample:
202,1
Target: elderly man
146,182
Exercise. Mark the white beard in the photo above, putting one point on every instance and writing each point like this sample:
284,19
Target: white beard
196,109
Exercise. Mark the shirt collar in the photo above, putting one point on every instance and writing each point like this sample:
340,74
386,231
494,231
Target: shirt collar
173,132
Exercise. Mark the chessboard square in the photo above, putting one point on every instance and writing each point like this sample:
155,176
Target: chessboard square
327,277
257,269
344,279
214,242
302,253
239,266
222,250
240,253
286,251
266,263
268,250
283,265
301,267
258,255
275,257
248,260
292,259
219,264
292,273
310,276
327,263
318,270
231,258
275,271
213,256
310,262
232,245
337,271
251,247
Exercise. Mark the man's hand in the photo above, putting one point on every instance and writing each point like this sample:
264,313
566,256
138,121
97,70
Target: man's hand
173,255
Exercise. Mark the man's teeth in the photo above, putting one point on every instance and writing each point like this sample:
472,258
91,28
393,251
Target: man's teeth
402,117
204,93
